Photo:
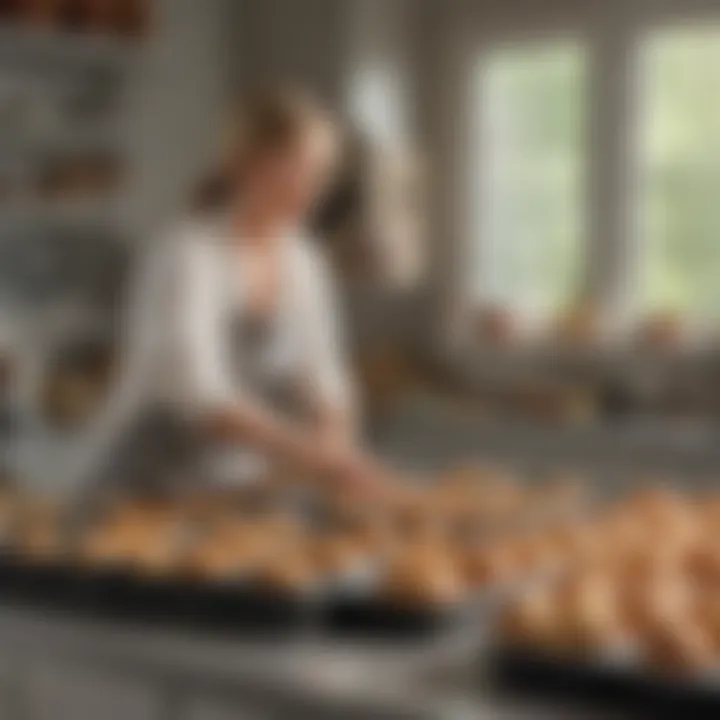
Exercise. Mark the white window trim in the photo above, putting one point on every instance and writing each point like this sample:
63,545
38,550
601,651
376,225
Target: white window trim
612,39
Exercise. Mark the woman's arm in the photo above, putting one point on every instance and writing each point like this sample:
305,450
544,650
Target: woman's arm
306,448
327,383
140,363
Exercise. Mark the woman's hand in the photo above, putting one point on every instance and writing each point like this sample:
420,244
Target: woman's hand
358,473
346,469
328,456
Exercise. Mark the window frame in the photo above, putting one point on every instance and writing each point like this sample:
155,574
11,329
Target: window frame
612,254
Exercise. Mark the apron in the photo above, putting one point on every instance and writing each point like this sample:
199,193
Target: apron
163,452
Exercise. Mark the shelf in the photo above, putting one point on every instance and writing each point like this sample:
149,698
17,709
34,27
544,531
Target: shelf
73,214
479,365
63,47
35,143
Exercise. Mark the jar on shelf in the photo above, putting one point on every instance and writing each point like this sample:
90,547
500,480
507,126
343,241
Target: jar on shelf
41,13
133,18
73,15
11,9
81,178
102,16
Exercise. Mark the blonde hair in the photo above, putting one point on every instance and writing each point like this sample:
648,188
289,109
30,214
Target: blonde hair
265,122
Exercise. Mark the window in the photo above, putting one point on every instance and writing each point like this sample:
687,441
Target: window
529,223
679,164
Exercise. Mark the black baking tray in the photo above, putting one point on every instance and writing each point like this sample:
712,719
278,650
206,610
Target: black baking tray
606,684
119,593
357,608
50,582
226,607
367,614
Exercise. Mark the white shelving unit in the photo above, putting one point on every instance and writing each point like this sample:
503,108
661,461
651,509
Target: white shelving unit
52,63
63,47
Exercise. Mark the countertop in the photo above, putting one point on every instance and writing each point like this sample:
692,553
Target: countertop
315,676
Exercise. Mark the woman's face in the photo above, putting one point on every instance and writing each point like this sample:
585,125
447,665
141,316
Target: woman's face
287,182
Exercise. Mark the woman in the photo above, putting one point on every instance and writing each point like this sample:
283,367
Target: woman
235,340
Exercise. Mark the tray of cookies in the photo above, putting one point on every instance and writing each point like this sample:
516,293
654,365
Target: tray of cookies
636,622
231,568
35,558
267,558
453,550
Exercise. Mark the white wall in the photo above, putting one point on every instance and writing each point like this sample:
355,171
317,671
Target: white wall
322,45
182,88
291,42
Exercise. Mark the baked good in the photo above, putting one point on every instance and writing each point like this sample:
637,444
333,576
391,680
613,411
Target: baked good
575,541
105,546
417,518
427,577
535,553
588,614
41,542
498,325
580,326
679,646
335,554
702,563
647,603
157,557
531,620
489,565
291,572
661,331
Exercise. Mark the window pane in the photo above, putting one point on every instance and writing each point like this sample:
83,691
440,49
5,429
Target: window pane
679,219
531,161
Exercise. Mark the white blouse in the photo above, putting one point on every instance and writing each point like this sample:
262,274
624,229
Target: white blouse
204,291
179,351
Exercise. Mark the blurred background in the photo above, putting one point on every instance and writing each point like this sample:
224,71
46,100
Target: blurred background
528,252
529,234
